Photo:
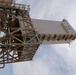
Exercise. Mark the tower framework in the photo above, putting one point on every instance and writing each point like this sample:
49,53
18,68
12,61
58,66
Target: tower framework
20,41
23,35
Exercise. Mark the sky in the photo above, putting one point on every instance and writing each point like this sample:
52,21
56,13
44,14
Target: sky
57,59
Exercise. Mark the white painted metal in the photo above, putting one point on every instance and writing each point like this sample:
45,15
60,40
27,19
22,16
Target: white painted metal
52,27
62,29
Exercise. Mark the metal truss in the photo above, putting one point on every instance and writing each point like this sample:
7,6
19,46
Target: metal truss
20,41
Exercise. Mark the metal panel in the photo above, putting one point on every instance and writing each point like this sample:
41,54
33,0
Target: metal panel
51,27
54,32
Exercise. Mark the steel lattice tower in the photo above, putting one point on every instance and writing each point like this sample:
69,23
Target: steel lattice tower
23,35
20,41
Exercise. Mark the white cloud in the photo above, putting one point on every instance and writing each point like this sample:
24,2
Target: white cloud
54,59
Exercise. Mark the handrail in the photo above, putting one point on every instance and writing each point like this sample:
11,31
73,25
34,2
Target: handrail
17,5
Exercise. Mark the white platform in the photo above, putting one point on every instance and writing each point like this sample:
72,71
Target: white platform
52,28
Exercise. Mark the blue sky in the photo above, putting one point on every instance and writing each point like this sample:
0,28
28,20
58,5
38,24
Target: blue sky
49,59
8,70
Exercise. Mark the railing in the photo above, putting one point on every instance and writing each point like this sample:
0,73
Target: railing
16,5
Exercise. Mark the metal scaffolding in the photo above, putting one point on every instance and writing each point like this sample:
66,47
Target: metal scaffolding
20,41
23,35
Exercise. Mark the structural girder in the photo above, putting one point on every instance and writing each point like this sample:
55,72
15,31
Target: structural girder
20,41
